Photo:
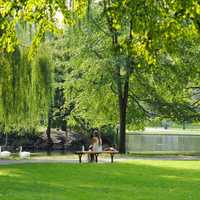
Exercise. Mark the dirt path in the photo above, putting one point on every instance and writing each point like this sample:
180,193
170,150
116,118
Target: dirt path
6,162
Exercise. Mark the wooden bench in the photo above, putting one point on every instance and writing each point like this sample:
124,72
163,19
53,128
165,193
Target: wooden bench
96,154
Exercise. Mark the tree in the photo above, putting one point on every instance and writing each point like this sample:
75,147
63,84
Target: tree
41,14
25,74
25,88
125,52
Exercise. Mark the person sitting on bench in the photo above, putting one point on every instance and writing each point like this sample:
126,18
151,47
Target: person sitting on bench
95,144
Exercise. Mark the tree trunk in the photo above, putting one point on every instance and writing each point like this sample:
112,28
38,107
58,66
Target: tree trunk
64,125
48,131
122,142
6,140
184,125
123,99
122,86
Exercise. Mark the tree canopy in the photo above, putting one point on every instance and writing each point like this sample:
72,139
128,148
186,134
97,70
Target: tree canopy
136,56
124,61
42,14
25,88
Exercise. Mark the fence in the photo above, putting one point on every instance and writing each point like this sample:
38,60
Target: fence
139,142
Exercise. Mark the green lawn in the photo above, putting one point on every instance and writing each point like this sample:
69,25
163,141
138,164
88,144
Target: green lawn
136,180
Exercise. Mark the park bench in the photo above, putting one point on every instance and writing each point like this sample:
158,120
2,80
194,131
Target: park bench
96,154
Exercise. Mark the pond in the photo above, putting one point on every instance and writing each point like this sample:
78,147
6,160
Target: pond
157,142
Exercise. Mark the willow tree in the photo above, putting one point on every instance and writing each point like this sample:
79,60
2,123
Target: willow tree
25,88
25,73
26,83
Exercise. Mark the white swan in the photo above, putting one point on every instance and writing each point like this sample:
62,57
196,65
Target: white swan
23,154
4,154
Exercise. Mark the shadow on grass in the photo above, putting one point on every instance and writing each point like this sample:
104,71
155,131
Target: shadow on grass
134,181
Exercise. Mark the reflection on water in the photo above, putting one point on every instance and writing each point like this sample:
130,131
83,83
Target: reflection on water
163,142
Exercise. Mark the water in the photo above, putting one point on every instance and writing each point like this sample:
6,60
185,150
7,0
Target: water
163,142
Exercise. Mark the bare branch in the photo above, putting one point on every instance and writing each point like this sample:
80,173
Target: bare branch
150,114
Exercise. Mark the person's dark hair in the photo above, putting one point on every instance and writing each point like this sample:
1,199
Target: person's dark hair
96,132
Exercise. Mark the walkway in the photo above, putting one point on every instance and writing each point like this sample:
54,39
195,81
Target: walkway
101,160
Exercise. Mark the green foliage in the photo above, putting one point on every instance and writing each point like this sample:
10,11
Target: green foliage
41,13
146,51
157,53
87,86
25,88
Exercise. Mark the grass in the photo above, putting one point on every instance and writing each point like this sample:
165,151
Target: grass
135,180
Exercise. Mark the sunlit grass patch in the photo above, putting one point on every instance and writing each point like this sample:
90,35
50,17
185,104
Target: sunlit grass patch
10,172
134,180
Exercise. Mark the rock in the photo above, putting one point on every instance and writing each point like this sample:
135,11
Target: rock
70,141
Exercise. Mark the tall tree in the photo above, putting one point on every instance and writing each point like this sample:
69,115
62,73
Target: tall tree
125,52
